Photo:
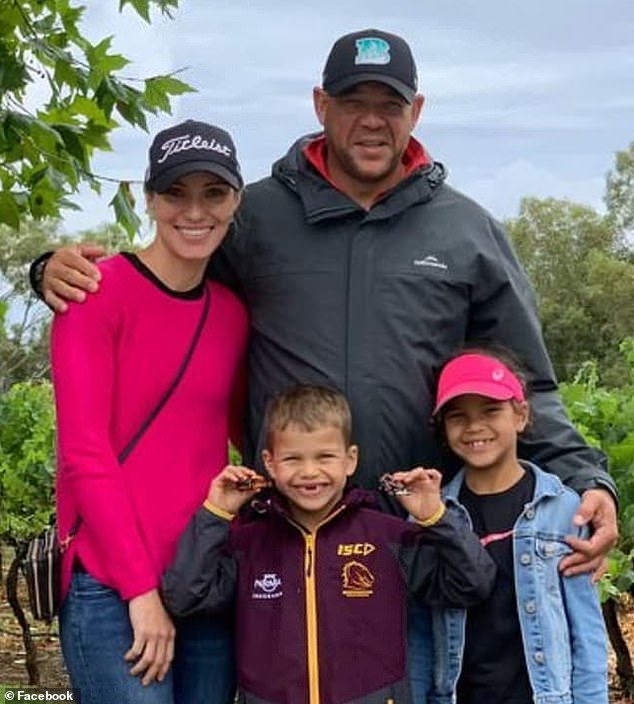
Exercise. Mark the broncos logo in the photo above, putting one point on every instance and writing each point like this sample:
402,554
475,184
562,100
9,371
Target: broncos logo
357,579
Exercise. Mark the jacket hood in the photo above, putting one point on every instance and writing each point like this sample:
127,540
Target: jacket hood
322,200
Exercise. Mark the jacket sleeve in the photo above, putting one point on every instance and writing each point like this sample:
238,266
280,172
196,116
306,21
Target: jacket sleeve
445,565
203,576
503,311
588,640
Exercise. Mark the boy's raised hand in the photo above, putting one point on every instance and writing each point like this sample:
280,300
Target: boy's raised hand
234,486
422,499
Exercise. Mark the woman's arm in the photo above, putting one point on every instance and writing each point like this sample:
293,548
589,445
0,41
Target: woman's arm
83,370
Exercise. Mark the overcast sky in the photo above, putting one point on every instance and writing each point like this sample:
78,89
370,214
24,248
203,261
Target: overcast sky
522,99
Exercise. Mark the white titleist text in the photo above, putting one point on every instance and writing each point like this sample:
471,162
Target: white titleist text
186,142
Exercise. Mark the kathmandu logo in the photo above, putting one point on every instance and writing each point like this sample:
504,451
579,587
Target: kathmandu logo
357,580
430,260
372,50
268,586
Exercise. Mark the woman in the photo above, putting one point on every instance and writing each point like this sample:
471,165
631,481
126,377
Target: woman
113,358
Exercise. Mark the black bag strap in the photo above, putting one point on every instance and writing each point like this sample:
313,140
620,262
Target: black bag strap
125,453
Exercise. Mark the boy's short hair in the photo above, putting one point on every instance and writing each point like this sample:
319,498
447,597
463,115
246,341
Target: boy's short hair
310,407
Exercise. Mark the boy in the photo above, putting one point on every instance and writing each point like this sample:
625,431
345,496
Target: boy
319,577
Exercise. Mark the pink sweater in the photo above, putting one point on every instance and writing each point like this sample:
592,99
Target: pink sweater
113,356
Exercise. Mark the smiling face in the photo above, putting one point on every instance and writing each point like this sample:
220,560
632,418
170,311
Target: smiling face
367,131
310,468
192,216
483,432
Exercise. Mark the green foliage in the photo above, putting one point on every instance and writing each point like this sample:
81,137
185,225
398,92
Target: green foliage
605,417
579,267
619,195
23,327
26,460
46,153
619,578
24,321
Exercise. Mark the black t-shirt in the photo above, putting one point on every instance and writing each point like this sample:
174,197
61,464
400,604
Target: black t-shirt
494,668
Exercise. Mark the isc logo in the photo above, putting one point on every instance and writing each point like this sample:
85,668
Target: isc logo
355,549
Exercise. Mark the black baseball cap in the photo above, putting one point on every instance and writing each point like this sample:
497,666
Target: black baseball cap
189,147
370,55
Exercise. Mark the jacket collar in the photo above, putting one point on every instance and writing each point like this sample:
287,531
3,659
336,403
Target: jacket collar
546,484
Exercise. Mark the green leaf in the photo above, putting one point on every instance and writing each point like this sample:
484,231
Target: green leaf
132,113
44,199
89,108
102,62
9,211
72,142
123,204
142,7
171,85
46,137
159,88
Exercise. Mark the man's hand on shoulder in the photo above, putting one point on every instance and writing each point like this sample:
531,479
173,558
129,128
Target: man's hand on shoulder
598,508
69,274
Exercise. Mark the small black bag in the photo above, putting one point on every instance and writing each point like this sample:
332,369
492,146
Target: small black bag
42,572
42,564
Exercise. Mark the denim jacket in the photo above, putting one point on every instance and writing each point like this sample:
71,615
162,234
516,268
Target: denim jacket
562,627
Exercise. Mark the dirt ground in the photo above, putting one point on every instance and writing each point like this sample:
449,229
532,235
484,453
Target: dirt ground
52,673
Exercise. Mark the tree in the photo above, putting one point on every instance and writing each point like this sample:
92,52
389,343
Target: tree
584,280
46,153
26,485
605,417
619,195
23,321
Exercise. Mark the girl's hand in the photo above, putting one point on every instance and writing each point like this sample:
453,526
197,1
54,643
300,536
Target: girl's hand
234,486
152,651
422,499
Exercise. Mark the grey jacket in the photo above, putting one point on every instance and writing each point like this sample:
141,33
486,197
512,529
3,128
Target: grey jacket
373,302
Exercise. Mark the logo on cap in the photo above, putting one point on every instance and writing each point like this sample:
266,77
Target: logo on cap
372,50
186,142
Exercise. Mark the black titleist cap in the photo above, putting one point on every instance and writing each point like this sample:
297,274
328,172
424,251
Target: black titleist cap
371,55
189,147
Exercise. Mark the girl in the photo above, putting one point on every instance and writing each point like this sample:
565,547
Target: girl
113,358
539,636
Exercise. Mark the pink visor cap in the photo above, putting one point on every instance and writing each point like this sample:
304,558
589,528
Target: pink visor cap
477,374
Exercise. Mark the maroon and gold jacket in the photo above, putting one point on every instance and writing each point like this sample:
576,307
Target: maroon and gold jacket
321,616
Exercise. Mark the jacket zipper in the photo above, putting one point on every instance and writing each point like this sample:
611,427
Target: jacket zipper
312,644
347,324
311,619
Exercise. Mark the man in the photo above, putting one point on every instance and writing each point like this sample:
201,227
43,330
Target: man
362,269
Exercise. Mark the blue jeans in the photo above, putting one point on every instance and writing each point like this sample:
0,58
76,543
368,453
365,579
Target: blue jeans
420,652
95,633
